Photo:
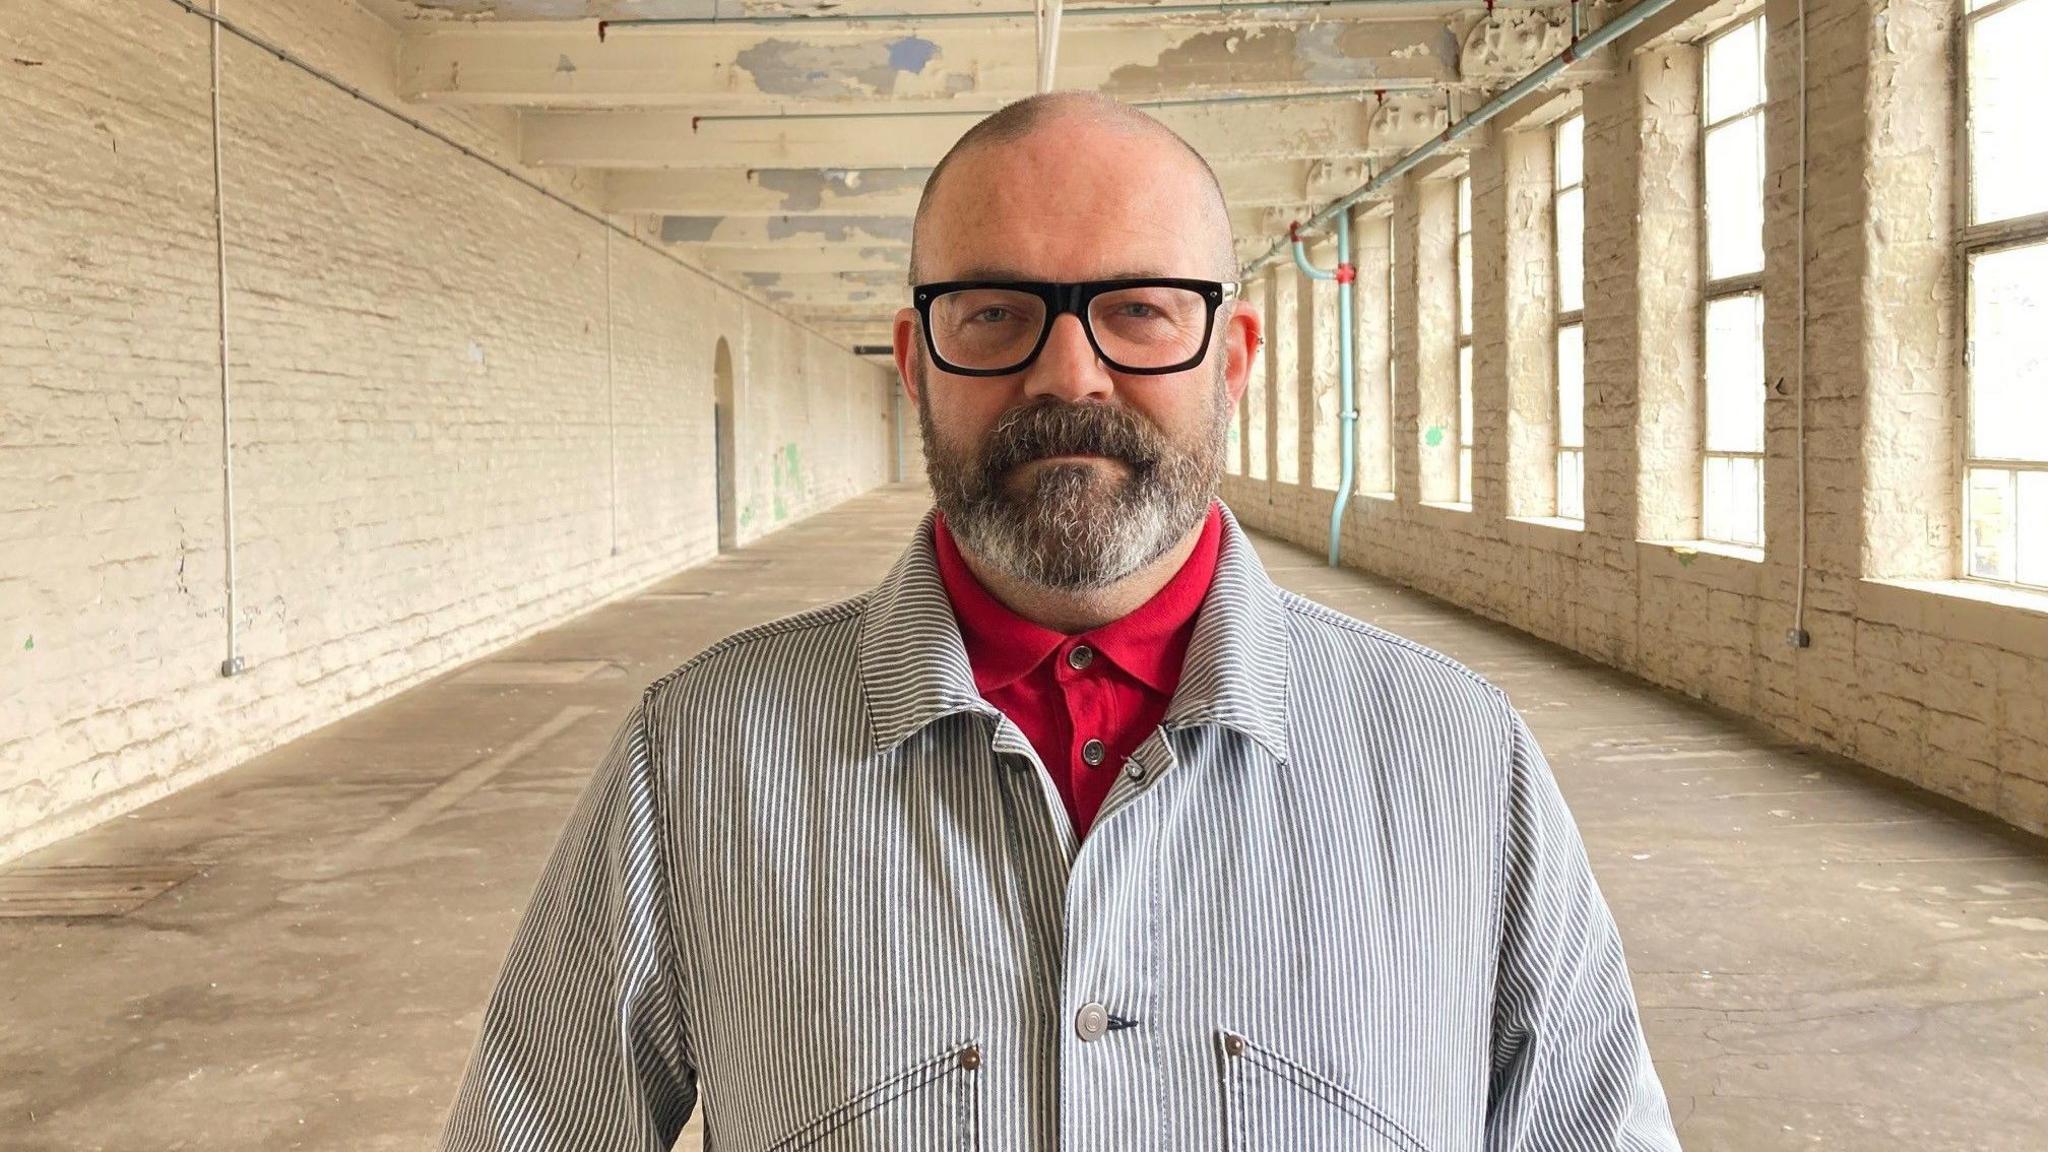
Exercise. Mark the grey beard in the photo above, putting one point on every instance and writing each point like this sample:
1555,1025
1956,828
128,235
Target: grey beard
1073,527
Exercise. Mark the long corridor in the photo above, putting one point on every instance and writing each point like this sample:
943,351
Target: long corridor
295,954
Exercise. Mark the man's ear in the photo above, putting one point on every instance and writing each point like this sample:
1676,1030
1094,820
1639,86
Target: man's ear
1243,332
904,339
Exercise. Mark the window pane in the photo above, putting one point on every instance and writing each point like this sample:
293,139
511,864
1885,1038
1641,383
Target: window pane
1571,250
1464,204
1571,386
1735,198
1571,485
1715,495
1571,151
1464,475
1991,524
2031,529
1735,374
1746,500
1464,285
2009,353
1465,395
1735,75
2008,86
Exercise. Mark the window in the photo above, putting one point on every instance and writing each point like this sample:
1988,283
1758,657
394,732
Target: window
1464,339
1568,215
2004,245
1732,170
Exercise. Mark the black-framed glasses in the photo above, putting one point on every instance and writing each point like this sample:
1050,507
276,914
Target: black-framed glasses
1146,326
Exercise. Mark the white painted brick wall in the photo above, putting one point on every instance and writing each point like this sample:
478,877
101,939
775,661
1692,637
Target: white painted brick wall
425,423
1909,672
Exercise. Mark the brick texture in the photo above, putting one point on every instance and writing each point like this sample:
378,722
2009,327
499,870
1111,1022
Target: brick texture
461,411
1932,680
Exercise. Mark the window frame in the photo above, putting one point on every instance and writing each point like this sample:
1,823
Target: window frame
1974,239
1462,327
1563,318
1739,284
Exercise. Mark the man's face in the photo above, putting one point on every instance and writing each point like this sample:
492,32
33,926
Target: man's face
1069,474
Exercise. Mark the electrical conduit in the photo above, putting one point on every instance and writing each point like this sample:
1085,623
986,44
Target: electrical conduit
1347,401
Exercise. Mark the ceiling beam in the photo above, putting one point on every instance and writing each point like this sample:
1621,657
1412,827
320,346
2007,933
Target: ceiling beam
731,192
1233,133
715,68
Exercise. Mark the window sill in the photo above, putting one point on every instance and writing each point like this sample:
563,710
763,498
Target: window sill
1559,523
1382,497
1710,548
1447,505
1997,616
1999,595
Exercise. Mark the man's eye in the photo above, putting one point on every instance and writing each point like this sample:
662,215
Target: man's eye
990,315
1138,311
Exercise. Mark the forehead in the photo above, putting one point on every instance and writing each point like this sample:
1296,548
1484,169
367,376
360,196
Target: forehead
1071,201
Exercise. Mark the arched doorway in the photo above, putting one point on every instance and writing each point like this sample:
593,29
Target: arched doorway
722,446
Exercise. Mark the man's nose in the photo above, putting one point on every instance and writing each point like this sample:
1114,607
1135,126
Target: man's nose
1067,367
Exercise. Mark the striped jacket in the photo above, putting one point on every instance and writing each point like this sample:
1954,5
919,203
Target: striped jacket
823,890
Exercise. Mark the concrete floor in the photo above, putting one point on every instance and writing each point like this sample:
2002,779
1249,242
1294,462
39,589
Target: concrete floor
1823,960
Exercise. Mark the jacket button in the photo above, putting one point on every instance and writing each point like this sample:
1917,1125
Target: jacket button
1092,753
1233,1044
1080,656
1092,1021
970,1058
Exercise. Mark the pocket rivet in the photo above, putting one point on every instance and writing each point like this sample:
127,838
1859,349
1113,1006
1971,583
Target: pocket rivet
1233,1043
971,1058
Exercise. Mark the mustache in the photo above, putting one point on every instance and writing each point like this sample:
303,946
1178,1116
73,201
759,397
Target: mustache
1055,428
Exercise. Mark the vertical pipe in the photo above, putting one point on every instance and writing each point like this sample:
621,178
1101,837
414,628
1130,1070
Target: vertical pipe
232,665
1345,276
611,420
1347,384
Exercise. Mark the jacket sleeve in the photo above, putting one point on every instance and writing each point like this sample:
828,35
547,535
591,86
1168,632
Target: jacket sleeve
1571,1071
581,1046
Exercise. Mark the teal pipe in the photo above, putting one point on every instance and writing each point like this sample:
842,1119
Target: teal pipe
1347,385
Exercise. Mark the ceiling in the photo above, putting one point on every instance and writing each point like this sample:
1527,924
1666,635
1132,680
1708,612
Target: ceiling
782,146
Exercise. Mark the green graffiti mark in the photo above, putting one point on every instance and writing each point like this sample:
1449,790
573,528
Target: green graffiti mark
1433,436
30,644
1685,556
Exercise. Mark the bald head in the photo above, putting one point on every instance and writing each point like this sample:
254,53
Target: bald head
1068,152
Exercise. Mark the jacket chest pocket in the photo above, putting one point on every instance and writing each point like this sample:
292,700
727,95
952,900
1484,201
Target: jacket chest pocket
1274,1104
932,1106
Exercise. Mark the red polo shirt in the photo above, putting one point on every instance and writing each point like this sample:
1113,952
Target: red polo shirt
1085,702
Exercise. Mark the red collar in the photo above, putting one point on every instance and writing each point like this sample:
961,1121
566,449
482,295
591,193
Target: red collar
1149,643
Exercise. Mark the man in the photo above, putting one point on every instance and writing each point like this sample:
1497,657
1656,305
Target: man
1076,832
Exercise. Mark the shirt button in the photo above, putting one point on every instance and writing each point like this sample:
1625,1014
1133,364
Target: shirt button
1092,753
1092,1021
1080,656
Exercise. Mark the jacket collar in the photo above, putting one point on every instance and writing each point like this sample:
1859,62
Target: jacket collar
914,668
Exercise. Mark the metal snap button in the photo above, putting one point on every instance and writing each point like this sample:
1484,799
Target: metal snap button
1134,770
1092,1021
1233,1044
970,1058
1092,753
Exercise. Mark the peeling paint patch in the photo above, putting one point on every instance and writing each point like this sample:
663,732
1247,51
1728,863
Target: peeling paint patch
834,71
564,64
804,189
911,53
839,229
689,229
